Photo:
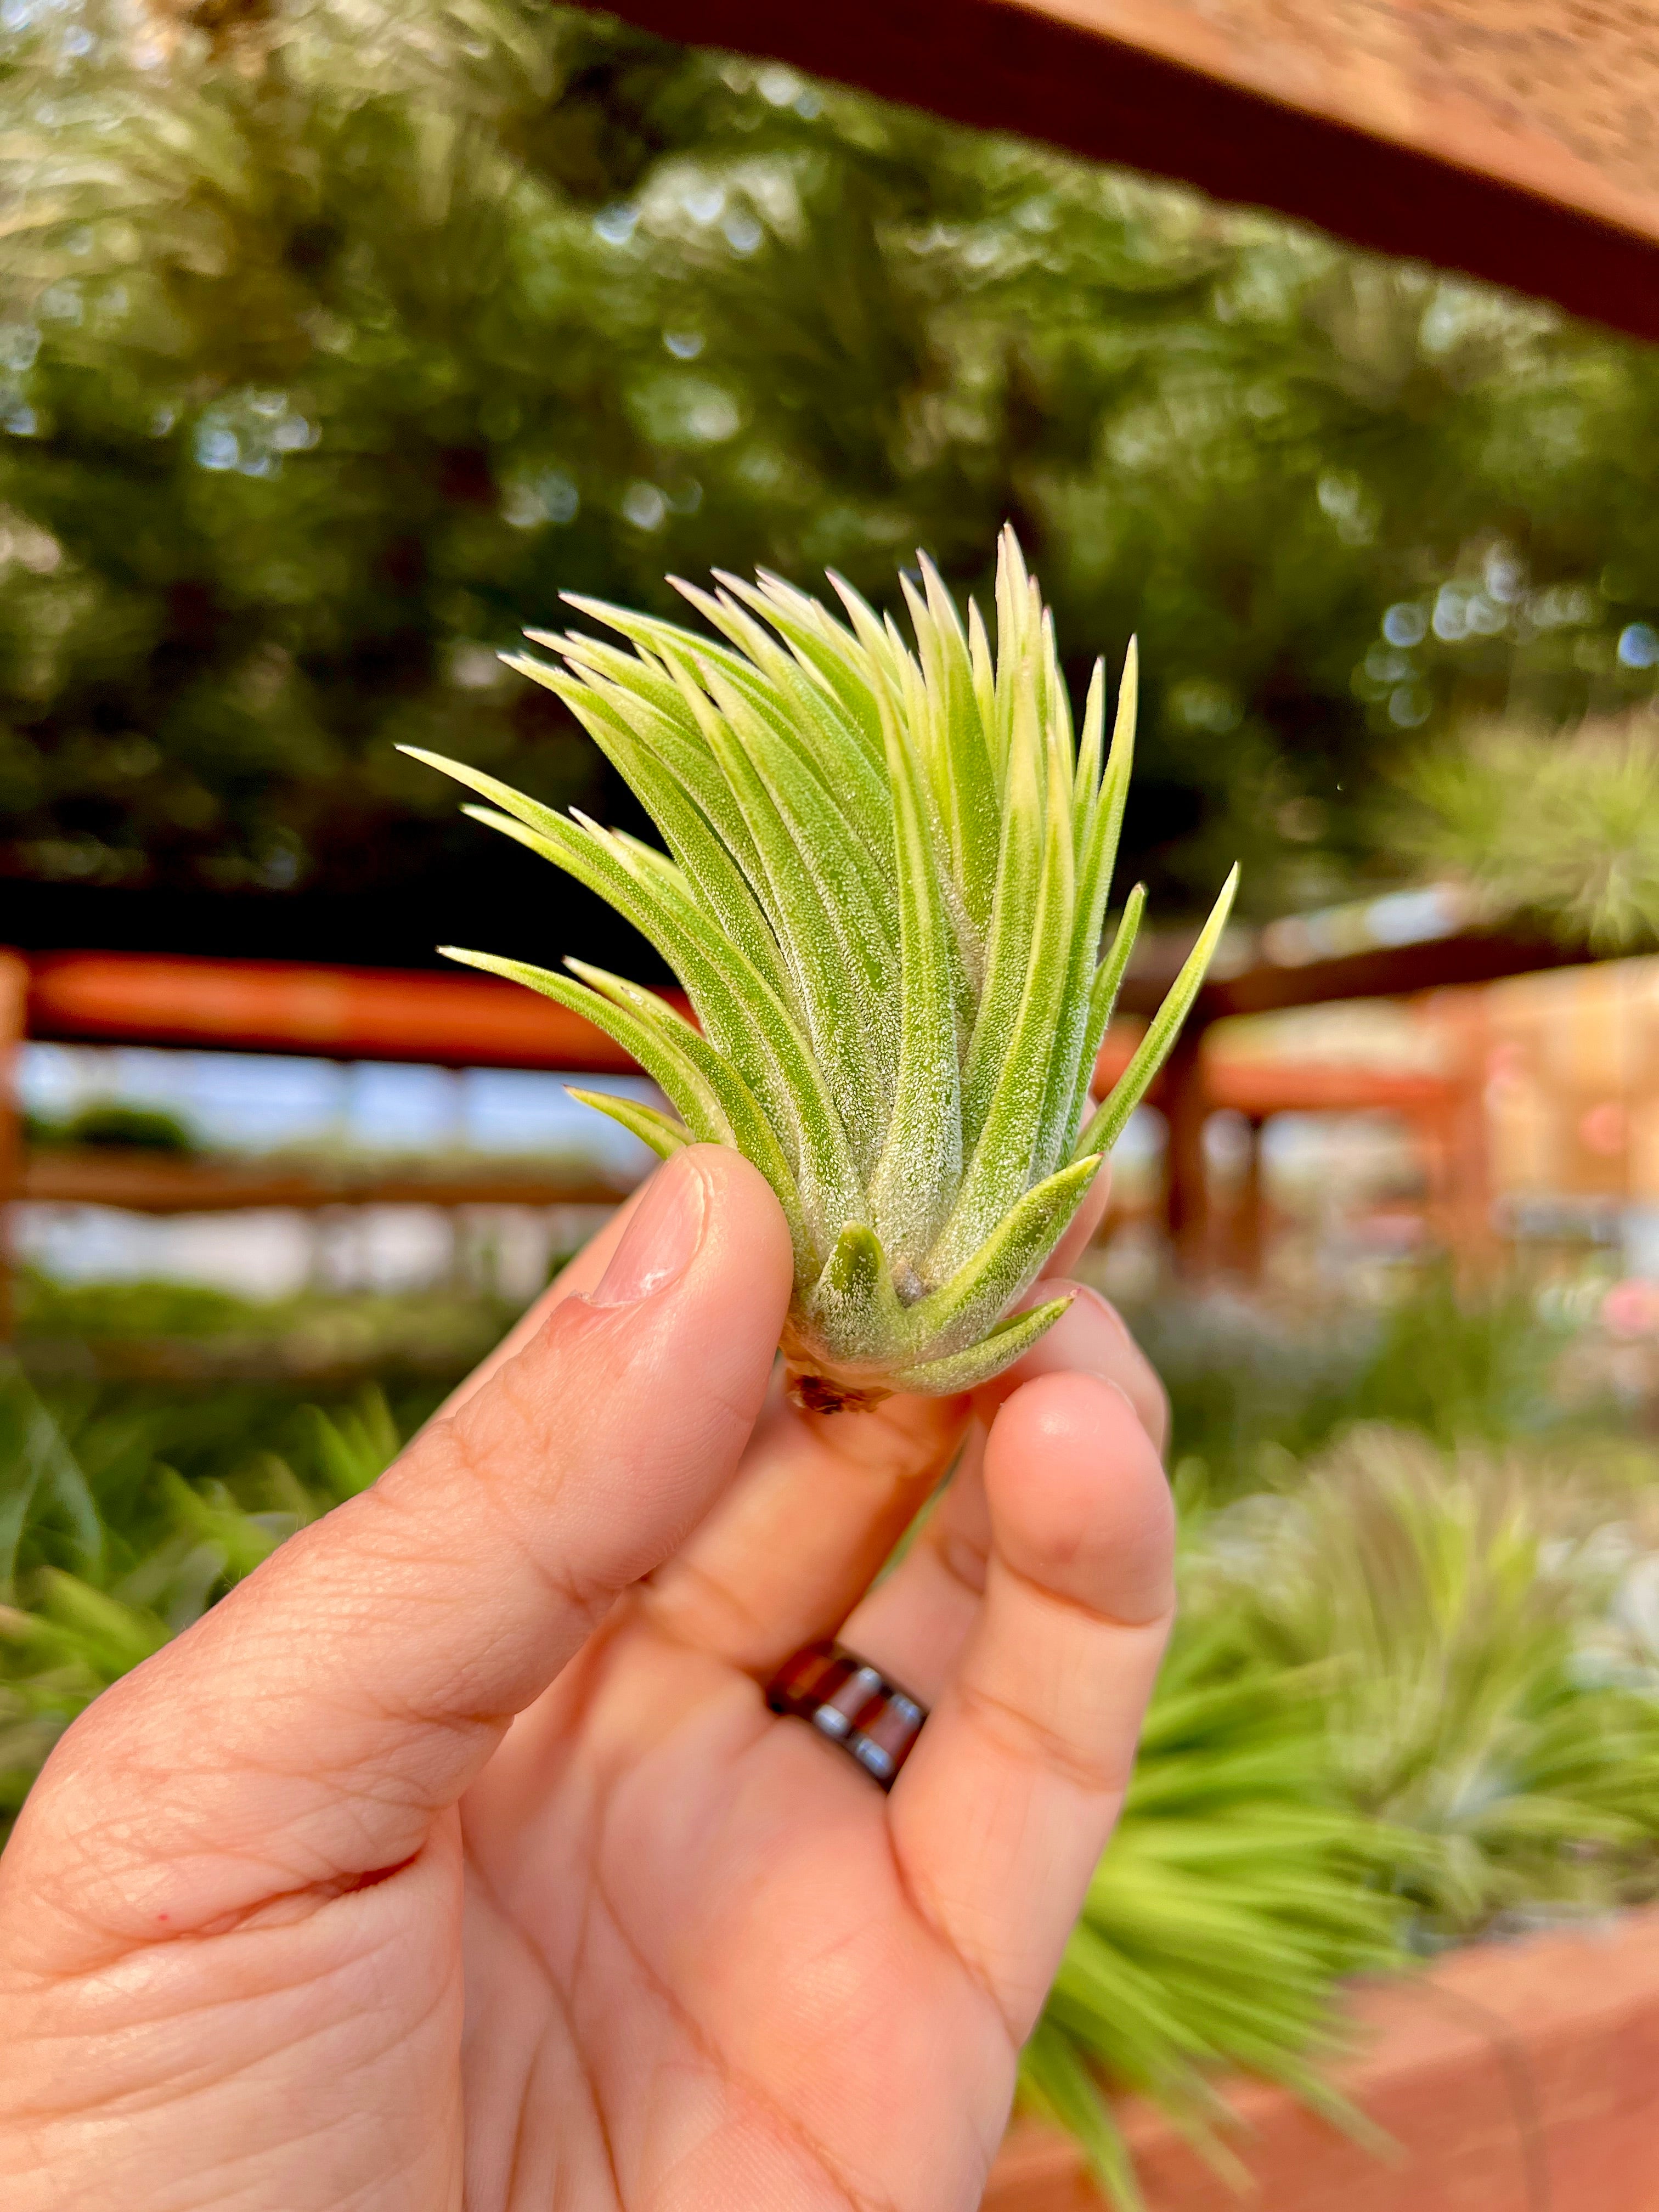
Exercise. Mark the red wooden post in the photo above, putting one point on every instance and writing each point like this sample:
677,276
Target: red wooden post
1462,1182
1248,1235
1186,1183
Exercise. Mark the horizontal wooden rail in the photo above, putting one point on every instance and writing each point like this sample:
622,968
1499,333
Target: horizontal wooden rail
337,1013
1384,971
105,1176
1260,1088
367,1013
464,1019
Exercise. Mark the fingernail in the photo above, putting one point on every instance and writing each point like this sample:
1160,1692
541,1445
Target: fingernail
659,1242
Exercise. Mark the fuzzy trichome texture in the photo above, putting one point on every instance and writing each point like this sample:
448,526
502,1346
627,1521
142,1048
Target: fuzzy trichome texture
884,889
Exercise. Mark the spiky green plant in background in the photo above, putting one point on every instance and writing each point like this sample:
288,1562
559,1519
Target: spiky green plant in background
1239,1892
885,885
107,1549
1478,1696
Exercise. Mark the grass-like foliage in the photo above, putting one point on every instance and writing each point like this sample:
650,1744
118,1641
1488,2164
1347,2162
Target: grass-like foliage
886,879
1240,1889
1404,1700
125,1513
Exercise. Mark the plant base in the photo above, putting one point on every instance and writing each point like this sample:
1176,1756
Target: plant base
817,1393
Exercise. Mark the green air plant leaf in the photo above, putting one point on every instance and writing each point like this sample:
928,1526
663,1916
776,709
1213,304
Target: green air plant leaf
883,887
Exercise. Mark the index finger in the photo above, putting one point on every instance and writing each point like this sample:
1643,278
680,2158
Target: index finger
1007,1801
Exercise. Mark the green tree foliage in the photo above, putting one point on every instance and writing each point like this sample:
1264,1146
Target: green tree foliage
337,339
1563,829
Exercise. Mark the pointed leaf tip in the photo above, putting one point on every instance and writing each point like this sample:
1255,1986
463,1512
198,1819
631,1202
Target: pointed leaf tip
664,1136
1150,1054
958,1313
991,1357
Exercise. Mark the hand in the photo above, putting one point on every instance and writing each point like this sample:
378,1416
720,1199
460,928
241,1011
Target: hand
454,1859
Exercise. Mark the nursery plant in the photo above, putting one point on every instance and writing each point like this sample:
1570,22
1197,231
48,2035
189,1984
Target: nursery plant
1240,1890
1561,830
1479,1696
887,871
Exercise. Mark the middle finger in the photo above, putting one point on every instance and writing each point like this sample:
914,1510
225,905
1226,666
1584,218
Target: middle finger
912,1626
818,1504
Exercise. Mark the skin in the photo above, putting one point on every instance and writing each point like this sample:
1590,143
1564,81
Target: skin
454,1859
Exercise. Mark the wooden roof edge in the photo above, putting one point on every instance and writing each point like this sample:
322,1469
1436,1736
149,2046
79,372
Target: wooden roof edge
998,65
1388,971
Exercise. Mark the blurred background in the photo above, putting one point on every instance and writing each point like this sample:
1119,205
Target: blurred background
338,340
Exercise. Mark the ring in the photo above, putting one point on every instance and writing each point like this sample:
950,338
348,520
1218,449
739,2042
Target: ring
852,1704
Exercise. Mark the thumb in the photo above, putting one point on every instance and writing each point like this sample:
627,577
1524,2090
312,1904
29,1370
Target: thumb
303,1735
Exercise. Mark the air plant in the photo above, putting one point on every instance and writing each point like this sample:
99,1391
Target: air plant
1477,1698
885,882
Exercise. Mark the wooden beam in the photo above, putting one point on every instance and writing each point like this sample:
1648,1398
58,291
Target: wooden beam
1247,1229
141,1183
1186,1171
366,1013
336,1013
1258,1088
1388,971
1513,141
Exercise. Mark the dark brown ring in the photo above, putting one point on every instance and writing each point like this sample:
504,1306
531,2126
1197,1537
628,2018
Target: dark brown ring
852,1704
